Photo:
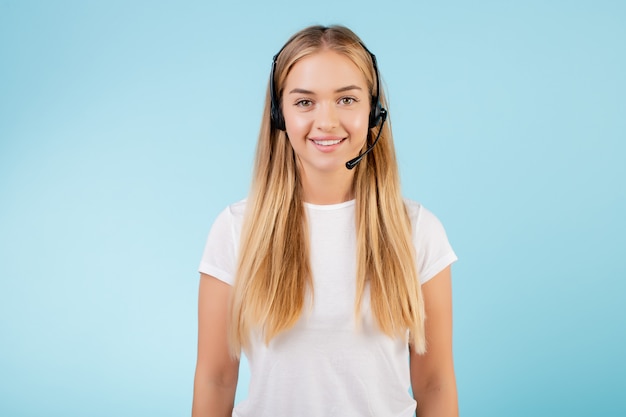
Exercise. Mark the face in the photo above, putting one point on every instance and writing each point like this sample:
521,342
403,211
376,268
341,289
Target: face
326,105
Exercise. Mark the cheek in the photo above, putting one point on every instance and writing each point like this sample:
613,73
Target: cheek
358,126
296,124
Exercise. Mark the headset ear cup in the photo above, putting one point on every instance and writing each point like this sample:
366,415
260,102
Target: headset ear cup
276,115
278,121
375,114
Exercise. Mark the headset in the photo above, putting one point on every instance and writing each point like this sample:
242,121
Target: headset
377,115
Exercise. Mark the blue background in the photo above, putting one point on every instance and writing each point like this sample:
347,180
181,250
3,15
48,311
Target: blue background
125,127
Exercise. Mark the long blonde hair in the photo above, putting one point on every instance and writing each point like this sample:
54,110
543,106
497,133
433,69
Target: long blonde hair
274,278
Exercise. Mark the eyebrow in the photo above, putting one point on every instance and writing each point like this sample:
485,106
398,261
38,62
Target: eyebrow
339,90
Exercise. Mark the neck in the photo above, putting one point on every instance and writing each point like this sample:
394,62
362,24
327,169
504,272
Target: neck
328,188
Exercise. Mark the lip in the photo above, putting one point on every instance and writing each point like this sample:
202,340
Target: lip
332,142
329,137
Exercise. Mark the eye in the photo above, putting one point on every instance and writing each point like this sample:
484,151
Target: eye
347,100
304,103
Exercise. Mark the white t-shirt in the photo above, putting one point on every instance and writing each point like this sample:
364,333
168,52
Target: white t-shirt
327,365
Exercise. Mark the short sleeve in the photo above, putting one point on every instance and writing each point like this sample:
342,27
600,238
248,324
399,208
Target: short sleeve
219,258
432,248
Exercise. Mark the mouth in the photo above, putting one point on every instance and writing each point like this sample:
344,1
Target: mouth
327,141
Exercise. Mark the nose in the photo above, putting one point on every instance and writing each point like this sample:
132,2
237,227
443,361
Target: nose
327,118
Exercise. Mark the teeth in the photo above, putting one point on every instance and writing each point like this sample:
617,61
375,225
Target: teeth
327,142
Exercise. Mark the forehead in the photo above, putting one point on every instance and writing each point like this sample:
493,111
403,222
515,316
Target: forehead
324,70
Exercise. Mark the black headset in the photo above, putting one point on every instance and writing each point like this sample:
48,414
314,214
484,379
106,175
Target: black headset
377,112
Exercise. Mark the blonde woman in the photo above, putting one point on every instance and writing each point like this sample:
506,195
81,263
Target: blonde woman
335,287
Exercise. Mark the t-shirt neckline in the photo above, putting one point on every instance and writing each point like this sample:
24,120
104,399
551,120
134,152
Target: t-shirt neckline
330,206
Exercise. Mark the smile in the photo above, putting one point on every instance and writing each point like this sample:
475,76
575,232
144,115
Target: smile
327,142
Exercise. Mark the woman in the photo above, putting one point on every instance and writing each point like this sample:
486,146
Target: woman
325,275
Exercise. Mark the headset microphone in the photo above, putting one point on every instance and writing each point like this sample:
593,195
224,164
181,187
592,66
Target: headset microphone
354,162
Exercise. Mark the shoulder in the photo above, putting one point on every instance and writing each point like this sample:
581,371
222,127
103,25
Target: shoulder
432,248
412,207
421,218
237,209
233,213
219,258
228,223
